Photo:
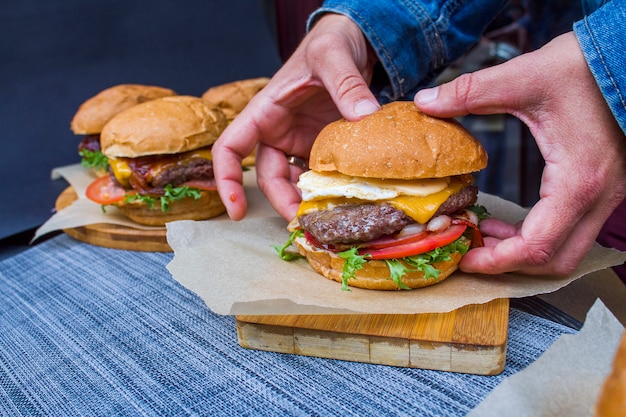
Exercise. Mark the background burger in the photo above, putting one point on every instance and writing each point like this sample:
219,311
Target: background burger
161,168
94,113
233,97
384,205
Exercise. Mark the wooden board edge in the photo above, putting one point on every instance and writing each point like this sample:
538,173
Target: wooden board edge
422,354
112,235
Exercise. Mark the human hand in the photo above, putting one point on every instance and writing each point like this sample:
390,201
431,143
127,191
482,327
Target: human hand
584,179
326,78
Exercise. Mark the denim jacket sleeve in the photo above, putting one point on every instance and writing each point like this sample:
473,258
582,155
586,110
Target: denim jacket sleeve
415,40
602,36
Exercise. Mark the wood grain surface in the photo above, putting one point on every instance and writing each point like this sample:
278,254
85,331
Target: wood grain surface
112,235
471,339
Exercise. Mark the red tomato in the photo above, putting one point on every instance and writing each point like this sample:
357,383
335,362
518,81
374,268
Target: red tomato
428,243
202,184
385,242
105,191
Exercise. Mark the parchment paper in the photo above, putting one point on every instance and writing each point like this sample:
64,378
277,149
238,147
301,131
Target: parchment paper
84,211
234,268
566,379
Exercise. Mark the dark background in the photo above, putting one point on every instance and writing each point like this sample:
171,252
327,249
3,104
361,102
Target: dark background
54,55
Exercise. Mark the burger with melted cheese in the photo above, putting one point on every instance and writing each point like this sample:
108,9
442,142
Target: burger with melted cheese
94,113
385,204
161,167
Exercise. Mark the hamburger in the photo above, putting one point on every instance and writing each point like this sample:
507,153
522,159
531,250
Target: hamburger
160,163
385,203
233,97
94,113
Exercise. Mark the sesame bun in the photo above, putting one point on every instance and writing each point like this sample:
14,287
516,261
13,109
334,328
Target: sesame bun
94,113
374,275
166,125
612,400
234,96
208,206
400,142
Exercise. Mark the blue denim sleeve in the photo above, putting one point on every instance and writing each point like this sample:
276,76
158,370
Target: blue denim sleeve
415,40
602,38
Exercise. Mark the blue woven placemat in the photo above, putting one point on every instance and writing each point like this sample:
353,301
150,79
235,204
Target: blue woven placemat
86,330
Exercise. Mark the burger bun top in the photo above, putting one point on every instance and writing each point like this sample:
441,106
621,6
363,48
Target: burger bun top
397,142
233,97
94,113
166,125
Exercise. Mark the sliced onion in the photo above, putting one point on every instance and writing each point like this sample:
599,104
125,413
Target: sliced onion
439,223
473,217
468,215
412,229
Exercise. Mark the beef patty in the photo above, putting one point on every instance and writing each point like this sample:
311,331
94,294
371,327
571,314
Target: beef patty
351,223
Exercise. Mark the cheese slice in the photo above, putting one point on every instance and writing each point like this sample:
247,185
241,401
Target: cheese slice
121,170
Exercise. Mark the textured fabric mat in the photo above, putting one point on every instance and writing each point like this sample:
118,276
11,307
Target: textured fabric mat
86,330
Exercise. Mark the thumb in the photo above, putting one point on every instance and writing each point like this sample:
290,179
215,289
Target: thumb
488,91
351,94
341,60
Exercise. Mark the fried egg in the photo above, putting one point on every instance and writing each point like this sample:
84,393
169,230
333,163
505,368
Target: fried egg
315,185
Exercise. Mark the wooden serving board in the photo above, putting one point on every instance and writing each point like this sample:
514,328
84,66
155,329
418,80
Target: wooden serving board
471,339
113,235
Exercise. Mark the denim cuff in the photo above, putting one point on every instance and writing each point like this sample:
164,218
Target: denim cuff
602,36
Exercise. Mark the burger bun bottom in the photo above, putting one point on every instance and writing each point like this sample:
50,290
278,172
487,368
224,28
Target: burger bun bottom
375,274
207,206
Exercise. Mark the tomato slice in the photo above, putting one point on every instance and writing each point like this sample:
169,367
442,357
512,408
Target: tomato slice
387,241
105,191
429,242
209,185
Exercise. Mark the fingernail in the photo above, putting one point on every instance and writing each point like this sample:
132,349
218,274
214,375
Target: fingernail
365,107
427,95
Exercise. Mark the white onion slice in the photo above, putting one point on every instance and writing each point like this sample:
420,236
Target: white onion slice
472,217
412,229
439,223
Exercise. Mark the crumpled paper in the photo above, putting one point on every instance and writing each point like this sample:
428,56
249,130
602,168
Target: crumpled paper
84,212
235,269
566,380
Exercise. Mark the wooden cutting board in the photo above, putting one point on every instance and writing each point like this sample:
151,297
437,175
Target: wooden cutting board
113,235
471,339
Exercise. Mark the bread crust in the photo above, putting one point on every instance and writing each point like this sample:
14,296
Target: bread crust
407,144
375,274
166,125
95,112
208,206
612,399
233,97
